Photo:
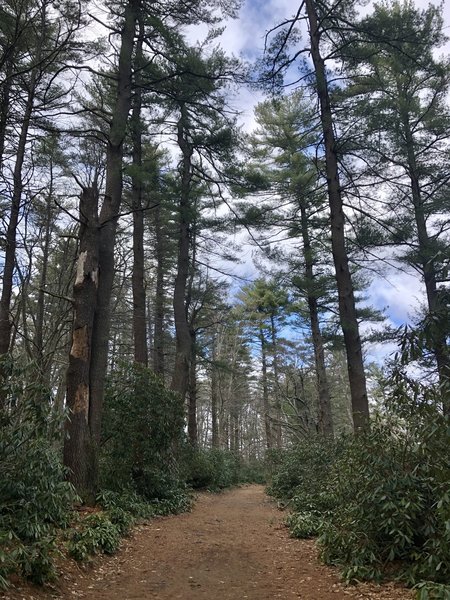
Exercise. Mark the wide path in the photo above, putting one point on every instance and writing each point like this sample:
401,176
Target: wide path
232,546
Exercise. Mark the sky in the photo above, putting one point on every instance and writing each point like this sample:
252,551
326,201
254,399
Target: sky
399,293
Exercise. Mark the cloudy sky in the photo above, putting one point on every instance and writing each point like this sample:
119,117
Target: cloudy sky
400,293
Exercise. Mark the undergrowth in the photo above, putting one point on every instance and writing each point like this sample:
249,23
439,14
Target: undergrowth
102,531
147,469
140,467
378,502
35,499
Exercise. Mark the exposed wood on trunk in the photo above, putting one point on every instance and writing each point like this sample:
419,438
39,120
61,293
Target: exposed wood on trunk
347,309
79,448
107,234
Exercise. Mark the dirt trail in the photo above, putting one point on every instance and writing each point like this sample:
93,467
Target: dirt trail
232,546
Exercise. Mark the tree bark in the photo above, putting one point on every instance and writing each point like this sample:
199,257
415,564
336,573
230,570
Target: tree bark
439,339
214,396
277,403
180,376
11,233
160,304
138,274
347,309
108,219
4,108
107,224
325,420
192,396
266,403
40,305
79,444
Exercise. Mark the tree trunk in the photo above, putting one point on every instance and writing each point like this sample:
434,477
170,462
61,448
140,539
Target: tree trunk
234,424
108,219
40,305
192,397
439,340
160,304
180,376
347,309
5,107
277,403
96,369
266,403
79,445
11,233
325,420
138,275
214,396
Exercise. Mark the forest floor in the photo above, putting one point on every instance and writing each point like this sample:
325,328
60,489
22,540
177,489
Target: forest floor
232,546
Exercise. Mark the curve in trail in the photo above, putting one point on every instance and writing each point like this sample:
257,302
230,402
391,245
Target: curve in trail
232,546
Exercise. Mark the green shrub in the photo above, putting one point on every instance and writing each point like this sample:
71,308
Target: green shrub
143,432
252,471
36,560
302,473
121,519
211,469
96,534
126,501
180,501
304,524
380,501
427,590
302,482
35,499
393,510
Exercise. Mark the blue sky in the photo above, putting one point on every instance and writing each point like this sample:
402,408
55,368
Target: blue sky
399,292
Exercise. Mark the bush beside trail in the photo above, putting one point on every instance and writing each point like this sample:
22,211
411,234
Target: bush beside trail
147,469
379,502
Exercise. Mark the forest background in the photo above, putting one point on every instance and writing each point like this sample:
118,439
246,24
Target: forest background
140,348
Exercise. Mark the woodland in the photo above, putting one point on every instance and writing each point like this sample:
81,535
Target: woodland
137,363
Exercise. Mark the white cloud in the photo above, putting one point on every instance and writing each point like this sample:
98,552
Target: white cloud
402,295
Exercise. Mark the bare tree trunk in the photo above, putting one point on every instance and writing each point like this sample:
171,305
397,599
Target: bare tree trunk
214,396
277,403
347,309
180,377
97,365
234,425
325,421
138,275
40,305
5,107
108,218
439,339
11,233
158,338
192,396
79,445
266,402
